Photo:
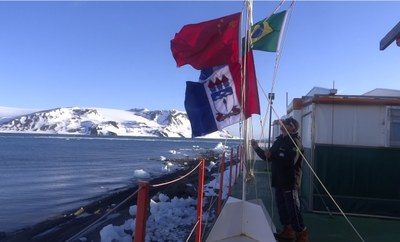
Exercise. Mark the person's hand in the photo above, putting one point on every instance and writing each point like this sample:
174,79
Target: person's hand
267,154
254,144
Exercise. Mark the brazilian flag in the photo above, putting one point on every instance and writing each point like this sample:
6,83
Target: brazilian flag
265,34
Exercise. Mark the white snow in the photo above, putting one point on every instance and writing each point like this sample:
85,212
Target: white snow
169,218
221,148
9,112
141,174
100,121
121,115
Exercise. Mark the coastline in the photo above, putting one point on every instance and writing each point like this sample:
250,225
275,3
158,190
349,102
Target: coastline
68,224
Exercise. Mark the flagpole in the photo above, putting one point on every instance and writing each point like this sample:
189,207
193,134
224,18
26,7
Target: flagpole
247,171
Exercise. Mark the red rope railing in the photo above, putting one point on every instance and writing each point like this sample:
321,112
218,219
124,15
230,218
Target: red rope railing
143,199
230,174
141,215
200,193
221,183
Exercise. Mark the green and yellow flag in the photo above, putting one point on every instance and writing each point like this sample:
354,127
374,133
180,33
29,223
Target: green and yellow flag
265,34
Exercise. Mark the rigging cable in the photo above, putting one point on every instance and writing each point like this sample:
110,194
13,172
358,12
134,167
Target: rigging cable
277,61
278,56
279,51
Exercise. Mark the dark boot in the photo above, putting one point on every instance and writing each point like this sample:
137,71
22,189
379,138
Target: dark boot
287,233
302,236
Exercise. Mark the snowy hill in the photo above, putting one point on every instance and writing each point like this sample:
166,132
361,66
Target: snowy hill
99,121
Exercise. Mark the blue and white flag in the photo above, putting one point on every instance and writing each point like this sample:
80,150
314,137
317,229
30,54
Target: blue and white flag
212,103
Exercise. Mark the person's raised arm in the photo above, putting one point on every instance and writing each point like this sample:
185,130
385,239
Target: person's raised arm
260,152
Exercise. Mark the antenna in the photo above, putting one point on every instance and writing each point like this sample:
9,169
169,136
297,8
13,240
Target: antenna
333,91
287,100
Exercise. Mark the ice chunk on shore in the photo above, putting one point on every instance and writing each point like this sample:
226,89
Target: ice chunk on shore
220,148
141,174
211,165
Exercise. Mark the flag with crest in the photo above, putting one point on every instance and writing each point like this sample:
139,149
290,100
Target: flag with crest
216,101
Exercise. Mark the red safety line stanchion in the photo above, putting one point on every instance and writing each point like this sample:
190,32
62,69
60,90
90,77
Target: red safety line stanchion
241,158
221,183
237,167
200,190
141,216
230,174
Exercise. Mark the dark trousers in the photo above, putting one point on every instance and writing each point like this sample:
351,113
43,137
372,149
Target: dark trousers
288,204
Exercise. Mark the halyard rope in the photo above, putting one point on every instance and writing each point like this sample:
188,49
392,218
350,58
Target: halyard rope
191,232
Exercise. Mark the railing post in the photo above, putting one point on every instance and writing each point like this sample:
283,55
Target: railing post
230,174
241,158
200,190
237,167
141,215
221,182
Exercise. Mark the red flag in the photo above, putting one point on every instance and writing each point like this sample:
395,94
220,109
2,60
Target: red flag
249,84
207,44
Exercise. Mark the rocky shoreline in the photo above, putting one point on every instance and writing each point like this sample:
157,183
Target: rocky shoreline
69,224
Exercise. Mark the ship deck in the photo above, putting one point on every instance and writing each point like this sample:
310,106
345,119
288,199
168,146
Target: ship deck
321,227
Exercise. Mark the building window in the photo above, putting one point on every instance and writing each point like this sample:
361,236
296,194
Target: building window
394,135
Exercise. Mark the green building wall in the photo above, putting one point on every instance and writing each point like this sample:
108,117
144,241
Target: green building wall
362,180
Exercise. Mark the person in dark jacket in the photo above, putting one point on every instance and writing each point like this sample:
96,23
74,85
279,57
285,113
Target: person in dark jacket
285,157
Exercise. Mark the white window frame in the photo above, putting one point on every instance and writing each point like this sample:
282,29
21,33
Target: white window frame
393,118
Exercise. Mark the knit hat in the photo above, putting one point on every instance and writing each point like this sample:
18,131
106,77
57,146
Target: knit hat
291,122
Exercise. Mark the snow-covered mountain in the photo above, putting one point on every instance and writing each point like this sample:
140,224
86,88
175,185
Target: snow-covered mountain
99,121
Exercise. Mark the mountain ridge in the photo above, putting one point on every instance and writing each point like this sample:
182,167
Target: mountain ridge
100,122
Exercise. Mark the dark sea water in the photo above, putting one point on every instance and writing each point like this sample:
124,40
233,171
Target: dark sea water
44,175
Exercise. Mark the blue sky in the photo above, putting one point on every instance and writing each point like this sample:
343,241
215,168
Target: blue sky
117,54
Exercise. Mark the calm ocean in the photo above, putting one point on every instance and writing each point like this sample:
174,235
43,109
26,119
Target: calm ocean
44,175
